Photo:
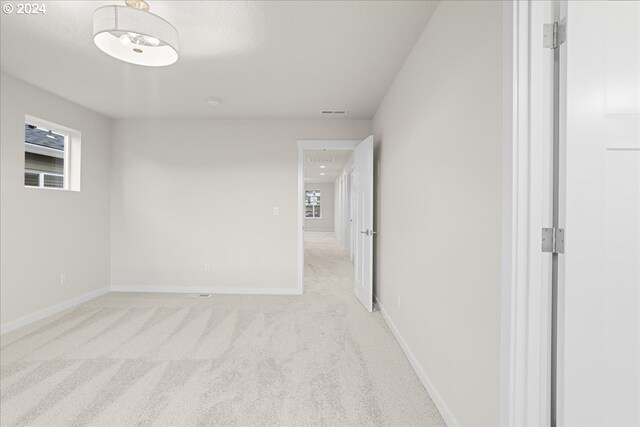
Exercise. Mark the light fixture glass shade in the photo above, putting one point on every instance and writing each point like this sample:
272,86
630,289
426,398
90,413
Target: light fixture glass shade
135,36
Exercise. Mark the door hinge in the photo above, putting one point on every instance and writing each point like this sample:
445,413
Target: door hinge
554,34
553,240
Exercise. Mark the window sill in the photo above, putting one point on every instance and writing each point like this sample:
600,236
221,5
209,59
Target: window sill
51,189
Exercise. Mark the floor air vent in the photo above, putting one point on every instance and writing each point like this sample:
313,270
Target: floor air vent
198,295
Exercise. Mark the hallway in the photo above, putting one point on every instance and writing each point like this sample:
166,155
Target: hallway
363,340
166,359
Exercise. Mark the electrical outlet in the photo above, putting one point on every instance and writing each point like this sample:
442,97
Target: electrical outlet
63,278
276,211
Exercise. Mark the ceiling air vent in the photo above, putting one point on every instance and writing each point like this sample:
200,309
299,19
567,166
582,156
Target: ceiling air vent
333,112
321,160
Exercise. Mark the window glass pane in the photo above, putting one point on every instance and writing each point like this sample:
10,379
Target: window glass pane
42,163
53,181
312,199
44,157
31,179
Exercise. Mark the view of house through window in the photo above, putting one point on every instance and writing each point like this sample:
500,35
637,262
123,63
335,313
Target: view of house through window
312,204
45,156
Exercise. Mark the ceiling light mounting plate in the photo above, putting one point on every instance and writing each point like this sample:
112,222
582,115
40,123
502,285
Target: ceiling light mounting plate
138,4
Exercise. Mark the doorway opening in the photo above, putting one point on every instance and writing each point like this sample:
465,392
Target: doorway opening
335,202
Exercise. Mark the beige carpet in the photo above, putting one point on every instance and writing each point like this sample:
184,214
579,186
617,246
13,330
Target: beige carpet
167,359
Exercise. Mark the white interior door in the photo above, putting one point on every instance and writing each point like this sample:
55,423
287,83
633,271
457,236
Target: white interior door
363,194
599,382
351,219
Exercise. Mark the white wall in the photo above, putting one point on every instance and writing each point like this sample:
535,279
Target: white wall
326,222
190,192
49,232
438,215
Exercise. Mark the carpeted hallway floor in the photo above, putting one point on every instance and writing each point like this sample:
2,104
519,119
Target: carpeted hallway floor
167,359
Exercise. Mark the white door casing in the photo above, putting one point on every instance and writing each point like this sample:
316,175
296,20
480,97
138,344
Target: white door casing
363,265
526,284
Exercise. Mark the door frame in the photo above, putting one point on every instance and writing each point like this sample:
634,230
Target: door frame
312,144
525,333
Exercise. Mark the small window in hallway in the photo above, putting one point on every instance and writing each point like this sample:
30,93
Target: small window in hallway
312,204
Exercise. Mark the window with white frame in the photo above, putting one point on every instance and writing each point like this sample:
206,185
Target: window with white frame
312,204
47,155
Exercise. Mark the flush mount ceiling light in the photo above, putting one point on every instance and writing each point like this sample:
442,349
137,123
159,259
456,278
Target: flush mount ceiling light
132,34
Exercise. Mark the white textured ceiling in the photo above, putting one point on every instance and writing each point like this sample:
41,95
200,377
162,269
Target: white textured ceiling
333,160
264,59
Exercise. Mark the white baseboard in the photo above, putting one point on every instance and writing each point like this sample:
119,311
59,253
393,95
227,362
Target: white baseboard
50,311
426,382
205,290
